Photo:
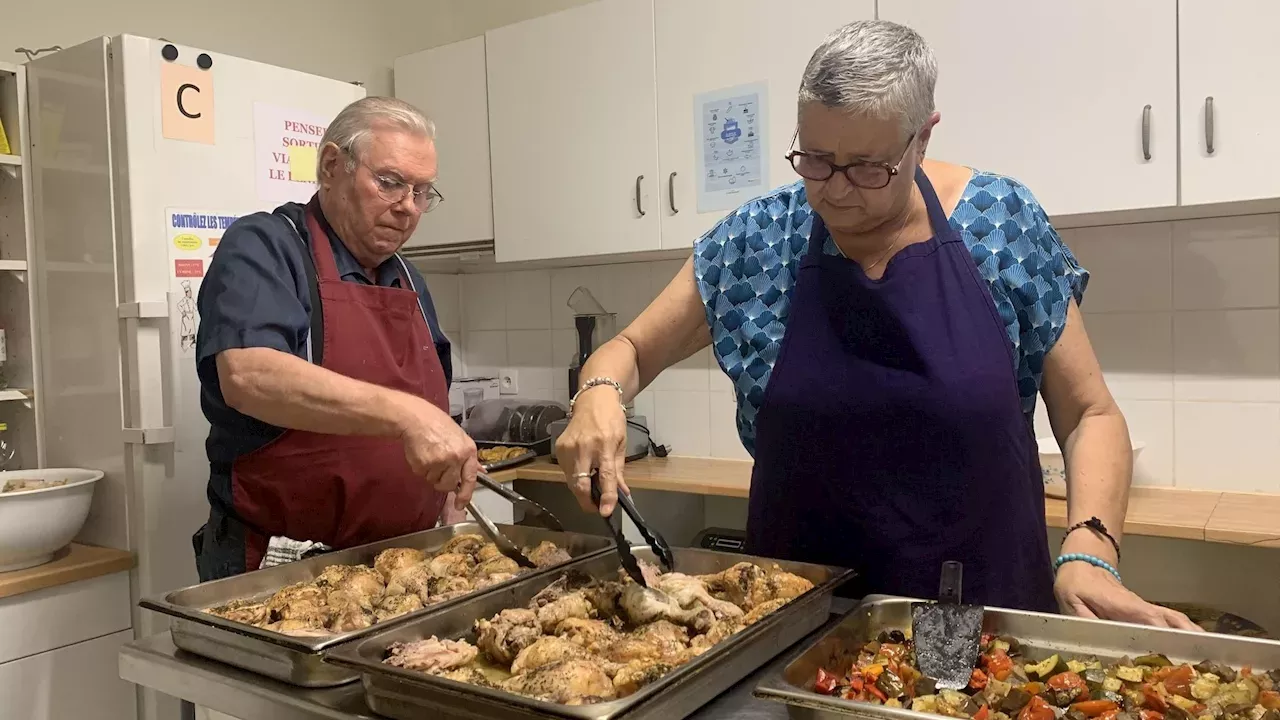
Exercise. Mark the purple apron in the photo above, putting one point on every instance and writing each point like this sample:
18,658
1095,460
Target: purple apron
891,437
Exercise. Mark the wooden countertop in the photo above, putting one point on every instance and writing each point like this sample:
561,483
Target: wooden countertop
73,563
1230,518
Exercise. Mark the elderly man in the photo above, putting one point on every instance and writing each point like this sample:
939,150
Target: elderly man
323,371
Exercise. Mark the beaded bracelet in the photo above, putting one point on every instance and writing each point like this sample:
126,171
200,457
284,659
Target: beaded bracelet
596,382
1094,561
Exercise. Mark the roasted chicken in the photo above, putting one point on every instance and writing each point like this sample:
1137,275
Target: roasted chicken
343,598
583,640
547,554
432,654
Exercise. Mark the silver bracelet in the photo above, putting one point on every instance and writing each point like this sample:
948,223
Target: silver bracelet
596,382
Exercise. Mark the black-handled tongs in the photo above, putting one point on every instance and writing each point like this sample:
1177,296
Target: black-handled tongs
653,538
534,512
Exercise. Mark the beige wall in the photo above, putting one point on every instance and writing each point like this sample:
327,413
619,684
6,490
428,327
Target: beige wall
344,40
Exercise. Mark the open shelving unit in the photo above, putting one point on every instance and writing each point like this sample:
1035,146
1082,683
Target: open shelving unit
20,400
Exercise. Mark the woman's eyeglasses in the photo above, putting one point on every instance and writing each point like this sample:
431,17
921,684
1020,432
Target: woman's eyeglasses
865,174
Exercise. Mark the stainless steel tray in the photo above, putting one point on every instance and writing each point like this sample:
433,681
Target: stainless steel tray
527,456
1040,634
296,660
408,695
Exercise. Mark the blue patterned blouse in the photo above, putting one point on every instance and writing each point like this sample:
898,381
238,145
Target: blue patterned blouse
746,268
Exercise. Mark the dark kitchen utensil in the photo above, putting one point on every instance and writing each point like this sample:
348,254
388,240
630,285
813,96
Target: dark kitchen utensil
614,523
947,633
505,546
534,514
652,537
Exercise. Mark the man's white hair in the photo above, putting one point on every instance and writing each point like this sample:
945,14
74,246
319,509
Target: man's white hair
874,68
352,129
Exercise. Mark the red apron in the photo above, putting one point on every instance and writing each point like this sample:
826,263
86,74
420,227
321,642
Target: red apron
347,490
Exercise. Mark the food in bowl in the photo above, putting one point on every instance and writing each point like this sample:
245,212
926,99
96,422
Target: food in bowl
41,511
352,597
1006,684
584,640
16,485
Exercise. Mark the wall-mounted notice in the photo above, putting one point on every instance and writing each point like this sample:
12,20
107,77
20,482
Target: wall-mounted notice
283,171
730,128
193,236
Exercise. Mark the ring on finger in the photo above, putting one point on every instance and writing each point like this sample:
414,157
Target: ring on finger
583,475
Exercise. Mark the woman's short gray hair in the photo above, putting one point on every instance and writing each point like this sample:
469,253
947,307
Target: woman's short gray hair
875,68
352,129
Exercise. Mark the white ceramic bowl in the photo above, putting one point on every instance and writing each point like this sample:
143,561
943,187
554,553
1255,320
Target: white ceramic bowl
36,524
1053,469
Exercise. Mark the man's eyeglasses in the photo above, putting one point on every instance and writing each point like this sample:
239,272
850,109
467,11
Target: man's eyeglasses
866,174
393,190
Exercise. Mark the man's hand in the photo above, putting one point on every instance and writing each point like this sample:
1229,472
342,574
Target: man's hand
438,450
1087,591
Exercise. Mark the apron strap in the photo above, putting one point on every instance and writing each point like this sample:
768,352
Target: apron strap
315,338
408,279
938,221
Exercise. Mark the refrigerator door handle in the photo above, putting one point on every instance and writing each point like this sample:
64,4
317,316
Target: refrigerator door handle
133,314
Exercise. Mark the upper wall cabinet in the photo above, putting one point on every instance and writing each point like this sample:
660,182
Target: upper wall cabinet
710,46
1229,61
448,83
1079,99
573,130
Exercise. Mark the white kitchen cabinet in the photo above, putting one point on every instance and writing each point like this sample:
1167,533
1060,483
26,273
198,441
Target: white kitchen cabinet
1228,60
573,133
1054,94
74,682
448,84
708,45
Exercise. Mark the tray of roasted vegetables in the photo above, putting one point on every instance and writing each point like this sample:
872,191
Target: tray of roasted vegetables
1034,666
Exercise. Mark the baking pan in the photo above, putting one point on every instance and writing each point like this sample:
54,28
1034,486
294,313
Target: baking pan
528,455
1040,635
408,695
296,660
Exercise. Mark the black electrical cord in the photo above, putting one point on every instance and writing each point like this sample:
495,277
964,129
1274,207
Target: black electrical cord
657,450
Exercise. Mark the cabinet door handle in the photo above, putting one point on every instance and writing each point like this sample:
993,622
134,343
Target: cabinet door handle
671,193
639,207
1146,133
1208,124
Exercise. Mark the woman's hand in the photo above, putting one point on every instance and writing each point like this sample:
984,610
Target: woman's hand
1090,592
596,438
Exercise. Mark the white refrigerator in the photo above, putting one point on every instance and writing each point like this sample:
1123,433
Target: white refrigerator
142,152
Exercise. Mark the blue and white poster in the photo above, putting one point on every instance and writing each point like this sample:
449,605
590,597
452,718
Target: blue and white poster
730,131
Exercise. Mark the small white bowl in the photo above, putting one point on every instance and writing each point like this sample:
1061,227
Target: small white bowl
1053,468
36,524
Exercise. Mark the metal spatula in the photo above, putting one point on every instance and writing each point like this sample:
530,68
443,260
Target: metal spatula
947,633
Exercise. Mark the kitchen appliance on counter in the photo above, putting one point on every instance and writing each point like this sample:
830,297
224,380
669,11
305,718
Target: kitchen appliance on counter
595,326
638,440
515,422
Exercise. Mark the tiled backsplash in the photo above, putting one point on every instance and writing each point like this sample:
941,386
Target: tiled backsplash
1184,316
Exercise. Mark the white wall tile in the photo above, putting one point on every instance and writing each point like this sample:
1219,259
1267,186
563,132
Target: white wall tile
661,273
1136,353
725,441
528,296
484,302
1224,263
1227,355
719,381
683,421
446,293
643,405
529,354
1151,423
624,290
1227,446
564,346
692,373
1129,266
485,352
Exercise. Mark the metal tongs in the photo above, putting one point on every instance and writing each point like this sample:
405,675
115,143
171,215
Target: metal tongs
533,512
653,538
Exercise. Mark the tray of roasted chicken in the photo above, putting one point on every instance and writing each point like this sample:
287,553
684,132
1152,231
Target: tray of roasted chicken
589,643
276,621
1031,666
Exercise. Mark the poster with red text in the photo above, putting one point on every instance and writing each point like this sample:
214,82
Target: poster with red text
285,142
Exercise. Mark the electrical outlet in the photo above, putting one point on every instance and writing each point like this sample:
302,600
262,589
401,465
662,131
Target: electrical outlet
508,382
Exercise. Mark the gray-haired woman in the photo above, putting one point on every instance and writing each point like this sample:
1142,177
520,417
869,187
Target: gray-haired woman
888,322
